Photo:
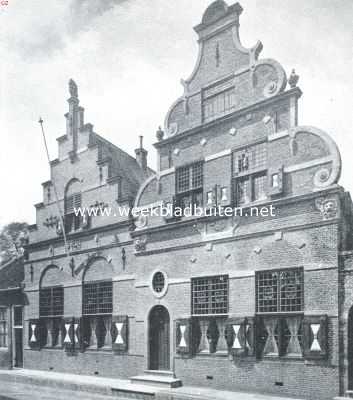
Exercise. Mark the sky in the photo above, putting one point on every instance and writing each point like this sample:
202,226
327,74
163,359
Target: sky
128,56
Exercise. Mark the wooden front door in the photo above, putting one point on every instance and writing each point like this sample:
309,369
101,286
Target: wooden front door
159,338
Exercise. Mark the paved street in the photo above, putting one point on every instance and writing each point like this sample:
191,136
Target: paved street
18,391
19,385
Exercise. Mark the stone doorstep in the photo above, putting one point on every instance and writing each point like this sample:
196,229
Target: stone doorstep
164,380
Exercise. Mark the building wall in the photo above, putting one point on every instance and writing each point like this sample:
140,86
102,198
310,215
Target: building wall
305,230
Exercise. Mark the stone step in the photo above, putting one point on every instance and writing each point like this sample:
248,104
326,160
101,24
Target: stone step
157,380
157,372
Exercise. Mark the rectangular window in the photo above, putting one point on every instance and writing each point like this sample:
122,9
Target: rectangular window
51,310
250,158
218,104
249,174
189,184
189,177
97,309
72,221
97,298
280,291
210,295
51,301
3,327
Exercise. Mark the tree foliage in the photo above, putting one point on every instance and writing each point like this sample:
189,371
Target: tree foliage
12,238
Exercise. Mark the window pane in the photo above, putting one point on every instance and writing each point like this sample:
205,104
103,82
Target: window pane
183,179
51,301
44,302
280,291
58,301
219,105
242,189
197,175
251,158
18,316
291,290
267,287
98,298
210,295
260,186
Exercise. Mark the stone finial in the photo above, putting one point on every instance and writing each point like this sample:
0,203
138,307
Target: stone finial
73,89
159,134
293,79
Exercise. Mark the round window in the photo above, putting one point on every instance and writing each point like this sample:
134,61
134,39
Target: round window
158,282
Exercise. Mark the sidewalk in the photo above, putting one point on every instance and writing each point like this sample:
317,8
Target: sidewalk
119,388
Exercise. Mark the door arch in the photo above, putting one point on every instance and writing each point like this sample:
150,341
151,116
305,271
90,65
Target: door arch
159,338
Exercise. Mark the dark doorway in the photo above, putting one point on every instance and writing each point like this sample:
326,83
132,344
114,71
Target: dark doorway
18,336
159,338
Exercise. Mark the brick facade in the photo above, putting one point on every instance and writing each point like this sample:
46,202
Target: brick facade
232,102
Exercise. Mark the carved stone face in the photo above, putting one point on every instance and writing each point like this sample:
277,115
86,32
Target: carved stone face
329,206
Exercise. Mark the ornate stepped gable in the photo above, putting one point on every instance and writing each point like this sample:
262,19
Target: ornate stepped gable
223,66
233,103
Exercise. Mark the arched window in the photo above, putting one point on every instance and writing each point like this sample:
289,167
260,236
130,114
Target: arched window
97,304
51,307
72,202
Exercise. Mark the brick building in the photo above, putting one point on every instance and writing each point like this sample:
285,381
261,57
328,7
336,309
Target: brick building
236,302
12,301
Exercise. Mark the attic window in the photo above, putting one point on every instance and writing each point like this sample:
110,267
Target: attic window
219,104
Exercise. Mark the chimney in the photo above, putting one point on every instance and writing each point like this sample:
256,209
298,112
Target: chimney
141,155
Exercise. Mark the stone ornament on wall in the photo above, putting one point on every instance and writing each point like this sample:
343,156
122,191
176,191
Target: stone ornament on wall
74,245
51,221
326,175
218,229
328,206
140,243
141,221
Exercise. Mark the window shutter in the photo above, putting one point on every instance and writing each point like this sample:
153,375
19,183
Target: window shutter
85,220
67,334
240,336
315,329
211,197
275,181
224,197
260,336
250,335
76,333
120,329
183,333
34,334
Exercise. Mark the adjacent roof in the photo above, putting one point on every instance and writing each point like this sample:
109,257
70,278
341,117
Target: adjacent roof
11,278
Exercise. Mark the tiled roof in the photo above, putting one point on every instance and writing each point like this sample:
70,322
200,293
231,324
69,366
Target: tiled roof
12,274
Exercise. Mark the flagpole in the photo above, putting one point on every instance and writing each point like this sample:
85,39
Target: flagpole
55,192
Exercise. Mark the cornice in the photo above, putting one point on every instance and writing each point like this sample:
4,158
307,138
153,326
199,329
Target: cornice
78,252
267,202
236,114
268,232
77,235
